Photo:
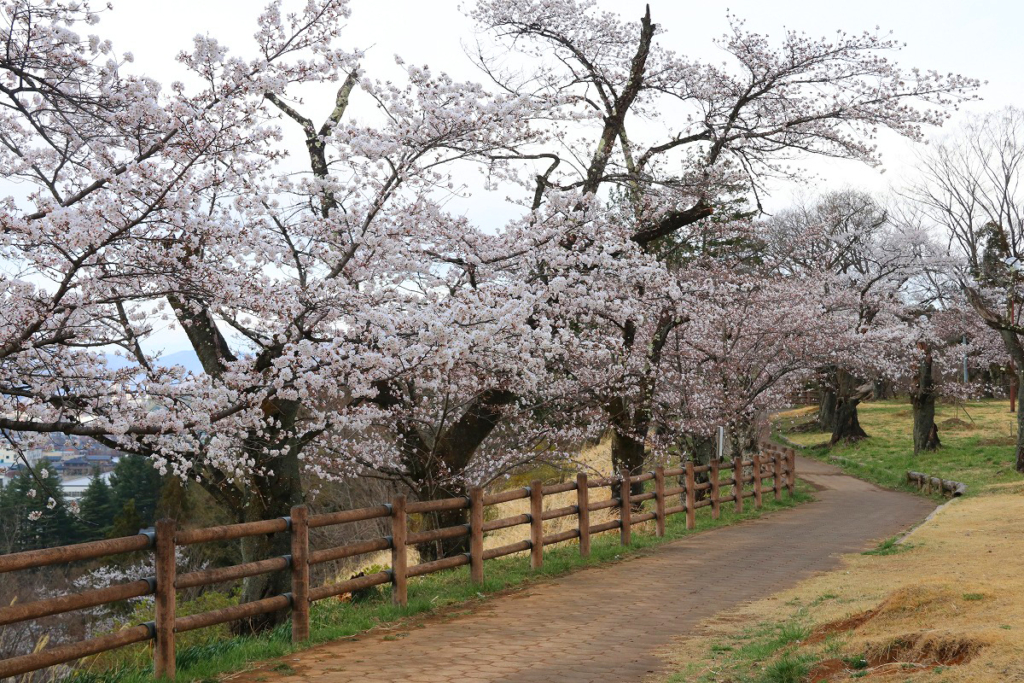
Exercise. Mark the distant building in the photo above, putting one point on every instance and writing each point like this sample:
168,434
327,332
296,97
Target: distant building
83,465
74,487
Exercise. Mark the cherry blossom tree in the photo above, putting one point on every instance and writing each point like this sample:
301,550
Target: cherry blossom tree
731,128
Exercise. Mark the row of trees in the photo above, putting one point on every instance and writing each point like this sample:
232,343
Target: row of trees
351,323
35,514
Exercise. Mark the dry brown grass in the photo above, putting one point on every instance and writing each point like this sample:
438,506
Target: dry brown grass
950,607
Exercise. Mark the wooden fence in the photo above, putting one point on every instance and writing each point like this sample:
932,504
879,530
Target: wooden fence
774,464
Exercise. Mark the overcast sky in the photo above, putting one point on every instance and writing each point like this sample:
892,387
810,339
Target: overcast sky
981,39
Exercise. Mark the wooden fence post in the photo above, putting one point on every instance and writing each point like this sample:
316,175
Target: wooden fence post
716,504
791,475
625,537
777,481
583,513
536,524
399,556
476,534
737,483
757,480
300,573
659,500
691,496
163,653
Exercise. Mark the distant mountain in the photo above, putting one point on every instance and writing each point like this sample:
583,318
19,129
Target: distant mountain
187,359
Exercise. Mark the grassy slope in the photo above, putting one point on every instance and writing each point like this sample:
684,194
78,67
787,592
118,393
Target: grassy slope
210,653
977,444
952,587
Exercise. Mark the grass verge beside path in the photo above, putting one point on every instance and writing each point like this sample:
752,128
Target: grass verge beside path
977,444
944,606
332,619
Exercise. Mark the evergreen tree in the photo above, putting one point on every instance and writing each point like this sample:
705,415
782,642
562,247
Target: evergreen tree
127,521
97,508
135,479
36,501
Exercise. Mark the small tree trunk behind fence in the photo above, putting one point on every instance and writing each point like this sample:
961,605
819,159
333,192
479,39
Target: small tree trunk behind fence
737,483
777,480
476,535
691,497
399,554
625,537
757,480
659,501
536,524
583,514
716,505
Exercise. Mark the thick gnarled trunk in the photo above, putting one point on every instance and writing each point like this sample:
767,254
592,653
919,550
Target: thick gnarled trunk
267,497
848,397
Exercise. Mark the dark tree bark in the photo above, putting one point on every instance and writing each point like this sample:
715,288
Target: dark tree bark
627,446
829,401
848,397
434,470
881,390
922,398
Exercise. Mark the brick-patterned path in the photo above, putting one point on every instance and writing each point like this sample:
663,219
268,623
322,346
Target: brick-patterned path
607,623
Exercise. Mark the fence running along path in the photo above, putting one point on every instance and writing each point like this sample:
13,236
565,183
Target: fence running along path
928,483
778,465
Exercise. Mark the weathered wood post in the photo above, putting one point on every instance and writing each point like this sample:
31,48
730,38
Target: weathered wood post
691,496
536,524
716,504
163,653
399,555
625,536
659,501
777,481
476,535
791,475
737,483
300,573
583,513
757,480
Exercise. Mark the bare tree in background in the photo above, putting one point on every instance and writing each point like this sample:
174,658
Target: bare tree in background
972,185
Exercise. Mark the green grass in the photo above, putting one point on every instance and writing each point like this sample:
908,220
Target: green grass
977,444
760,654
442,592
890,546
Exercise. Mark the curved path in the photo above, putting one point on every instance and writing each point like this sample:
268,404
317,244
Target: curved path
607,623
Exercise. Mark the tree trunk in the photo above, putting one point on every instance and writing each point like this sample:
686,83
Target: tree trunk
628,452
829,401
267,497
922,398
881,390
703,448
848,397
447,547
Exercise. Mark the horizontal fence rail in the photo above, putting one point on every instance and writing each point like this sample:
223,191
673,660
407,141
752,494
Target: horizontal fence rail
727,482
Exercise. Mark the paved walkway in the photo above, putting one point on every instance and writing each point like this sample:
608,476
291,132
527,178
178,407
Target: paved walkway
607,623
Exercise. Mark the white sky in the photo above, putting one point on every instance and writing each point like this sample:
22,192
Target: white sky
981,39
